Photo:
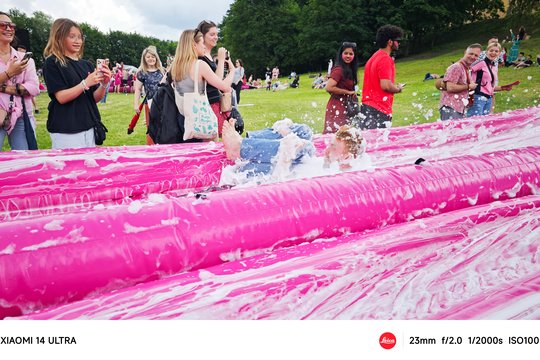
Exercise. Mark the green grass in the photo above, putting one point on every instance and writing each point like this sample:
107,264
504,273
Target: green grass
260,108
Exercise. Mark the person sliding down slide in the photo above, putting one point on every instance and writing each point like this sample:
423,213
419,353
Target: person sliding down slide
273,151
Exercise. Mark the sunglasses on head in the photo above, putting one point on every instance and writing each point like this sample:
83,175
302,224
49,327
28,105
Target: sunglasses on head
347,44
4,25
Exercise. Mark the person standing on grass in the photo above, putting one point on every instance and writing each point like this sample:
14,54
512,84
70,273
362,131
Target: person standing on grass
18,83
210,36
455,98
191,47
485,74
237,80
340,85
379,76
149,75
74,86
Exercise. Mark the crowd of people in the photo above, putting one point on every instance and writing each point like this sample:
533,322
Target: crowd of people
75,85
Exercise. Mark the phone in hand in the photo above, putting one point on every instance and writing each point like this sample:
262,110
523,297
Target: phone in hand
27,56
99,63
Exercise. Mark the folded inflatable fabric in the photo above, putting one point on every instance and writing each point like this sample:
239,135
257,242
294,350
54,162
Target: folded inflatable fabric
436,134
474,263
56,259
55,182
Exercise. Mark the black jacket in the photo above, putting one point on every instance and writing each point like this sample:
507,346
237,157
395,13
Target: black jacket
166,124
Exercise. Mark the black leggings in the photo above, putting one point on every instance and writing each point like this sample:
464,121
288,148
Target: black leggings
237,87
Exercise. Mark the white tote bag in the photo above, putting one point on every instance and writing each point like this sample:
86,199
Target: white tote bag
200,122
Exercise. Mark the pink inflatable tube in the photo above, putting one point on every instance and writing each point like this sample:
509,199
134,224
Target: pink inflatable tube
59,181
57,259
474,263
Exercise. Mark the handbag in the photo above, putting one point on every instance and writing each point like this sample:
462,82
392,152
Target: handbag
28,129
99,132
200,121
225,102
440,84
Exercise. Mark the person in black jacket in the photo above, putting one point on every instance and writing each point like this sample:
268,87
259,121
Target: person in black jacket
166,124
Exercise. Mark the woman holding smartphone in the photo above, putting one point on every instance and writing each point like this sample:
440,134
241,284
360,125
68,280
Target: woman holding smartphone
74,86
189,50
210,36
18,79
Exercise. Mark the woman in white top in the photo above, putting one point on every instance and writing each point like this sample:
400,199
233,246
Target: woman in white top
190,47
238,77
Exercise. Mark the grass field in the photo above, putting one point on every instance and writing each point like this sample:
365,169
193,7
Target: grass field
417,104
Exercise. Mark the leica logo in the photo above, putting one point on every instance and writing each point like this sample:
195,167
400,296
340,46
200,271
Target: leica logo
387,340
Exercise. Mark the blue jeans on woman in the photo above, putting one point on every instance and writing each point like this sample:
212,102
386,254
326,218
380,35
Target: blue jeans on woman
17,138
481,106
261,146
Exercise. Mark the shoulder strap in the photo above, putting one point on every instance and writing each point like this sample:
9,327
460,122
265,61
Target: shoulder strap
466,72
196,77
490,72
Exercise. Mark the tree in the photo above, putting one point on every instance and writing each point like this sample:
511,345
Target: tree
523,7
262,33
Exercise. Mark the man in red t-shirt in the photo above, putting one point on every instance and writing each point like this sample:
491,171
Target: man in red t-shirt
379,76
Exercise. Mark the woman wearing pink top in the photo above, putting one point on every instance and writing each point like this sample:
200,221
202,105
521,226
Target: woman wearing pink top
18,80
485,74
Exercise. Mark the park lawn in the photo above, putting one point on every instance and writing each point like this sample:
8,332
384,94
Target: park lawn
260,108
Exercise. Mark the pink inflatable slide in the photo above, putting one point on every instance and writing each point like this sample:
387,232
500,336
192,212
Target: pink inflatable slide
475,263
126,225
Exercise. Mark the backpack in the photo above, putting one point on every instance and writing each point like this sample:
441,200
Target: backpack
166,124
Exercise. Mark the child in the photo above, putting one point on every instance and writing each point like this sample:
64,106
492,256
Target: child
273,151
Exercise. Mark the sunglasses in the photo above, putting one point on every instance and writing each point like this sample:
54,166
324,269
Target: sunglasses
4,25
347,44
196,32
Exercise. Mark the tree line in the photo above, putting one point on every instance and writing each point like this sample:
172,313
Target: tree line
300,35
114,45
303,35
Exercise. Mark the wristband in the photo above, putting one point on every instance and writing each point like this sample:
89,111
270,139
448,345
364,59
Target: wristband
84,86
102,86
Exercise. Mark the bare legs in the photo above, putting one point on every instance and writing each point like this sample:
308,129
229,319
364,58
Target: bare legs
232,141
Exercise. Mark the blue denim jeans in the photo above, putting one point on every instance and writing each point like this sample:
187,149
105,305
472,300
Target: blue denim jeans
261,146
17,138
481,106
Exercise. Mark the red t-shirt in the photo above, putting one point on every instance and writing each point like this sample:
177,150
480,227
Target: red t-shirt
379,66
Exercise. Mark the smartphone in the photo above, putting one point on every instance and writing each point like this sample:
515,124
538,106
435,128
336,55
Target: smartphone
27,56
227,56
99,63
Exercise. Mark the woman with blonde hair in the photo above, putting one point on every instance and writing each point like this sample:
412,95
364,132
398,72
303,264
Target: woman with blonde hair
74,86
485,74
189,49
149,75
